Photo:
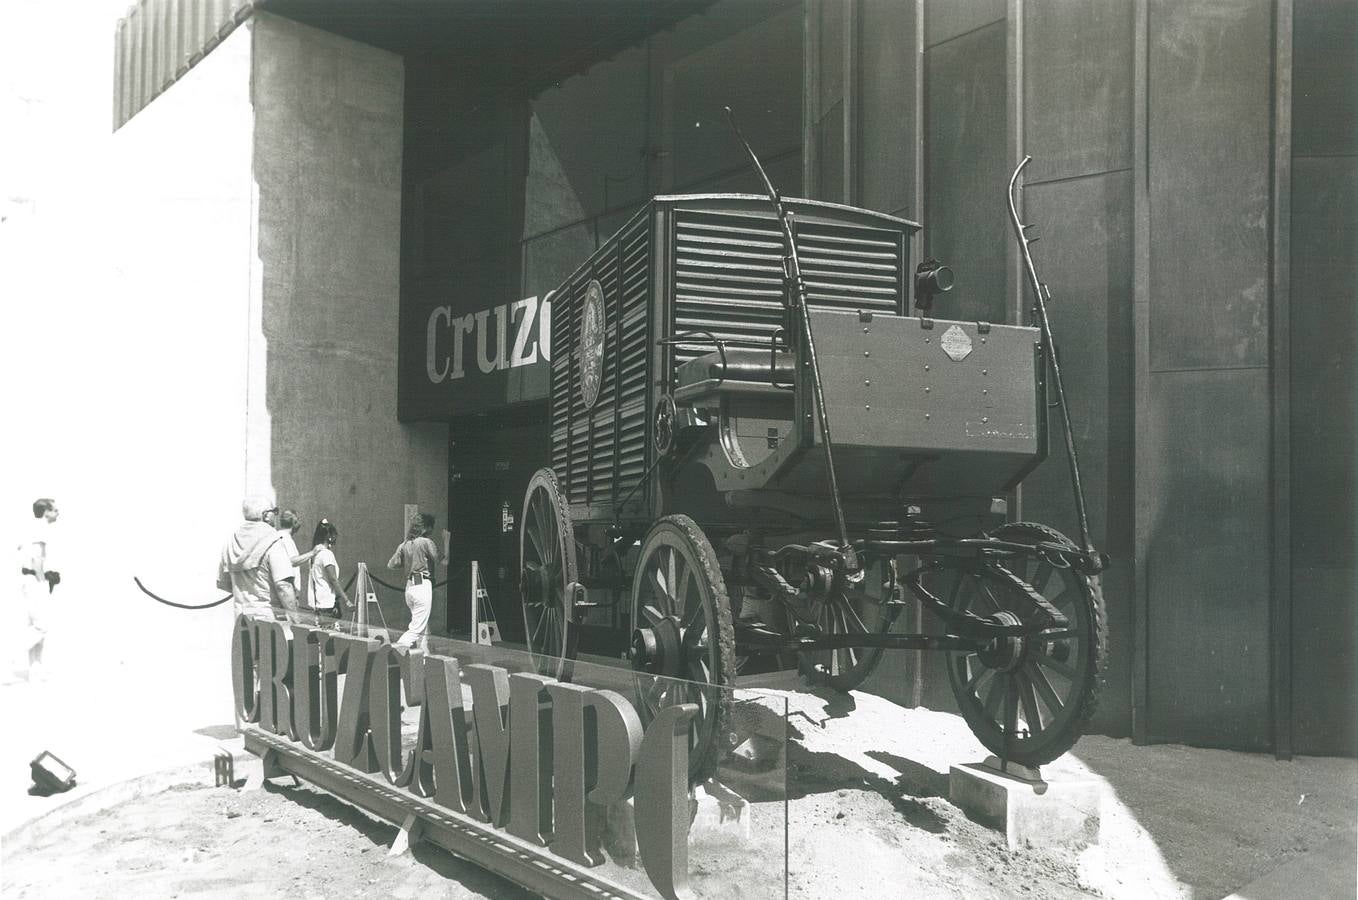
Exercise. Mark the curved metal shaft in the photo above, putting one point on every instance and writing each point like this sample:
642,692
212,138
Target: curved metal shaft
1040,296
797,300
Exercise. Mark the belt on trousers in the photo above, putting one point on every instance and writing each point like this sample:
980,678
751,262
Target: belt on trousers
416,578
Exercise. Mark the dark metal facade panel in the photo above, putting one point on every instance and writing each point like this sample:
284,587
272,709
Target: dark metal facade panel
1209,133
1086,258
888,133
947,19
1325,99
1280,359
158,41
1208,616
1077,87
966,170
1324,465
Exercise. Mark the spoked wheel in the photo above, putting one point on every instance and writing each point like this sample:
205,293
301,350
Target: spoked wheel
682,621
1027,698
848,610
546,569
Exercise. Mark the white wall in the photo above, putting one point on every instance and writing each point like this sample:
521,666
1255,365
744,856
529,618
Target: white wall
125,308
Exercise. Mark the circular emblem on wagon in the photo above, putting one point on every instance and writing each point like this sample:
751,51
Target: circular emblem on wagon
591,348
956,343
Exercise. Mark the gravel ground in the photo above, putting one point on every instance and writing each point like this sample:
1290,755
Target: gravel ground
867,816
218,842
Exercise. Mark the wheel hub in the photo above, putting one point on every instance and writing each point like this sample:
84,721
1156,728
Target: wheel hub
1005,654
535,584
659,650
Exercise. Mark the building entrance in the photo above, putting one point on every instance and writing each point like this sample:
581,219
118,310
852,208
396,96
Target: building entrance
490,460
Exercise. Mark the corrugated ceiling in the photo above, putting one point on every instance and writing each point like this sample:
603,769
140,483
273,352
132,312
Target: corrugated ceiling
520,44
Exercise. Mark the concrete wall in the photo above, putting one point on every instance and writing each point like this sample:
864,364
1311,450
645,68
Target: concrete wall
321,407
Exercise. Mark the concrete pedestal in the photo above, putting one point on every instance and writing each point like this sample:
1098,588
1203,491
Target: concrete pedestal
721,816
1030,811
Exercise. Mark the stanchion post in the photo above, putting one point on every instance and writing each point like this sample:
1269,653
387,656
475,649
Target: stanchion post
476,602
365,590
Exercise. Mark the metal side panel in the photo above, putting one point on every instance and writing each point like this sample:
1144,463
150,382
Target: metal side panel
929,385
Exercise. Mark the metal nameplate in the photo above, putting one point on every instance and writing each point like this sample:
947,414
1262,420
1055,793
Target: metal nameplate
956,343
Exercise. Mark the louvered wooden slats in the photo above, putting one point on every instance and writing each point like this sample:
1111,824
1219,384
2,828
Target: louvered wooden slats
728,273
726,277
634,344
599,453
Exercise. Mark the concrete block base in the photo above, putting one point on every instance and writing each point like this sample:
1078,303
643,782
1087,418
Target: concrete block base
1030,811
721,816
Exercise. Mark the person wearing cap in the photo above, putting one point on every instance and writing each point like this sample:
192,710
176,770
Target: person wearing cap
255,566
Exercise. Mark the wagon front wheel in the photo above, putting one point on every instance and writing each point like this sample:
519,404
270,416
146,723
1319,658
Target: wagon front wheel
848,610
547,569
1028,699
681,617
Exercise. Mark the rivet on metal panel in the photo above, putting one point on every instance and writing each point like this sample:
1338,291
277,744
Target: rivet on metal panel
867,353
984,419
926,390
982,340
866,406
926,340
865,329
985,372
985,390
926,415
926,368
867,382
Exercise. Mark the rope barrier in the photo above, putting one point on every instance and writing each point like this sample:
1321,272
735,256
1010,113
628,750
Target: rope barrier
160,599
347,585
393,587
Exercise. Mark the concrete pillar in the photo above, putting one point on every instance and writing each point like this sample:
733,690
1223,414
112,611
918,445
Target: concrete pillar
321,407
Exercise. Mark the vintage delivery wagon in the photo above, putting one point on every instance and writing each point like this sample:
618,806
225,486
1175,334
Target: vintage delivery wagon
759,450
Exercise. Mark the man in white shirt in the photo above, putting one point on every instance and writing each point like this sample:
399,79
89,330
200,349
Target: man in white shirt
39,578
255,566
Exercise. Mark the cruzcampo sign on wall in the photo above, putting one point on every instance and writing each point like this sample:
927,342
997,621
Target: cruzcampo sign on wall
473,356
515,770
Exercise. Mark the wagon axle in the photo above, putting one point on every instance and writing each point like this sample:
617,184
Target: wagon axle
754,637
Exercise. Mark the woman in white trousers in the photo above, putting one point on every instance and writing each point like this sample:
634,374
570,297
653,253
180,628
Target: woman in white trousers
416,557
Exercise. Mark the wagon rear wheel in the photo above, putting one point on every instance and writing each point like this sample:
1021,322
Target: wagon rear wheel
547,568
682,621
1028,699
